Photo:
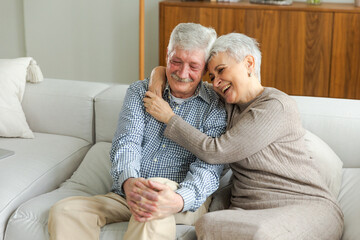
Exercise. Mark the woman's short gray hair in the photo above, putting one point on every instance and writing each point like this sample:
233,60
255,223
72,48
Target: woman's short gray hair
238,46
192,36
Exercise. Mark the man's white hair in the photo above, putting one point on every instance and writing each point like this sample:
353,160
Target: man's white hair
192,36
238,46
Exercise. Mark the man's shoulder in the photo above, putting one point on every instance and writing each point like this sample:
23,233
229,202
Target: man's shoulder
140,86
213,97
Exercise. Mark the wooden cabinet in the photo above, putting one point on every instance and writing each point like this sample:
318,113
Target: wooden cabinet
306,50
345,57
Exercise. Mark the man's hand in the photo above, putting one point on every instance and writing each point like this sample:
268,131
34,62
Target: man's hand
157,107
157,80
158,199
133,198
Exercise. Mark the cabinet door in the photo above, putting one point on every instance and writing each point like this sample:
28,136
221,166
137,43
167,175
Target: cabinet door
296,48
345,68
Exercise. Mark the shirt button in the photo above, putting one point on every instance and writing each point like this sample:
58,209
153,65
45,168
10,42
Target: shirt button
155,160
163,146
177,108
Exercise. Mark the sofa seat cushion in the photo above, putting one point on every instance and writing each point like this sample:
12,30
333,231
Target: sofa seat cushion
30,220
349,199
39,165
91,178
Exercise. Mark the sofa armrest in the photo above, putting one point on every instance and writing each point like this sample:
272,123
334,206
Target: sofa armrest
63,107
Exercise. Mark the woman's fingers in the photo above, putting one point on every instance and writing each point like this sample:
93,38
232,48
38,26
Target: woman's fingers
149,100
150,94
157,107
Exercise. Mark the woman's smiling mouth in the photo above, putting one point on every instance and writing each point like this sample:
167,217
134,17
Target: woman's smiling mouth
225,88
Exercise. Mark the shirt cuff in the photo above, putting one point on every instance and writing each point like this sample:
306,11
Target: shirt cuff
125,175
188,197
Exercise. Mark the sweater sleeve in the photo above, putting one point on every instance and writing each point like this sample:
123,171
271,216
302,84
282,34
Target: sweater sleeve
253,131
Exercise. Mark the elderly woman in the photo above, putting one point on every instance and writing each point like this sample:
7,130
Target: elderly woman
277,191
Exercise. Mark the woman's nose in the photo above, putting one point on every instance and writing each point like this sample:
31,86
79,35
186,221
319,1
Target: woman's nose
216,81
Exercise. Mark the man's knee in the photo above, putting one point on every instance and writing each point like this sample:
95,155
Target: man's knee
66,205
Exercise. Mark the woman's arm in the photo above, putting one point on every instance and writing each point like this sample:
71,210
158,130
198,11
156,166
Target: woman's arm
252,132
258,128
157,80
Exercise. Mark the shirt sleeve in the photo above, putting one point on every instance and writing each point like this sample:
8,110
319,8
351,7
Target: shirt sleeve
202,178
125,154
256,129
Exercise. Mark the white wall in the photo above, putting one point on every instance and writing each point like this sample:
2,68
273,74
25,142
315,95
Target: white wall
151,35
93,40
12,41
86,40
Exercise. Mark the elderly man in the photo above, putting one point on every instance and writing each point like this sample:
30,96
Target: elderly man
143,160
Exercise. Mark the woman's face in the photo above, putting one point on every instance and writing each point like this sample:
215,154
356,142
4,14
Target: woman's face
229,78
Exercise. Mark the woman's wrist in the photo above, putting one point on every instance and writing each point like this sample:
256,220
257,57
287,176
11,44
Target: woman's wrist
169,118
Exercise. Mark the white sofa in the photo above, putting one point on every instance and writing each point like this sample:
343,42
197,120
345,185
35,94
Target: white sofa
336,121
61,114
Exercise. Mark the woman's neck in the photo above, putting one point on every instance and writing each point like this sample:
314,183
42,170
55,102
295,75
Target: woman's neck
254,89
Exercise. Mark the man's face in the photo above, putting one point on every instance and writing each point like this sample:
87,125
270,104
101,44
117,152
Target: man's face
184,71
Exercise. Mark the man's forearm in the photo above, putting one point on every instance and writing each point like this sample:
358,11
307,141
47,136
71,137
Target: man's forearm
201,182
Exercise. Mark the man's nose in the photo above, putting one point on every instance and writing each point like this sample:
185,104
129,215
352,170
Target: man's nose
184,72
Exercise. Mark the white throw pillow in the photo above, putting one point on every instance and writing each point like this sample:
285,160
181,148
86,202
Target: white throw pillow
329,163
12,86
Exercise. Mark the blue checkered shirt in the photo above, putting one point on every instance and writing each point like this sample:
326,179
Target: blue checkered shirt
139,148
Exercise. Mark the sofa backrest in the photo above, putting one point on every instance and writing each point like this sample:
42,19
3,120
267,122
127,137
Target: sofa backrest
63,107
107,108
337,122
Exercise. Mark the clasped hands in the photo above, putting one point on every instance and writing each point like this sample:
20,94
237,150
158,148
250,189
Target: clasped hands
149,200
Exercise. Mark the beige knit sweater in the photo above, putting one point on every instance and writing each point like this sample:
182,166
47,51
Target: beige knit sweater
264,145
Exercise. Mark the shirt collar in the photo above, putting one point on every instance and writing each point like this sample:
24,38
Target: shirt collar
199,92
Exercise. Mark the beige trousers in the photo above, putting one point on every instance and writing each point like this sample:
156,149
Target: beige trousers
81,218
